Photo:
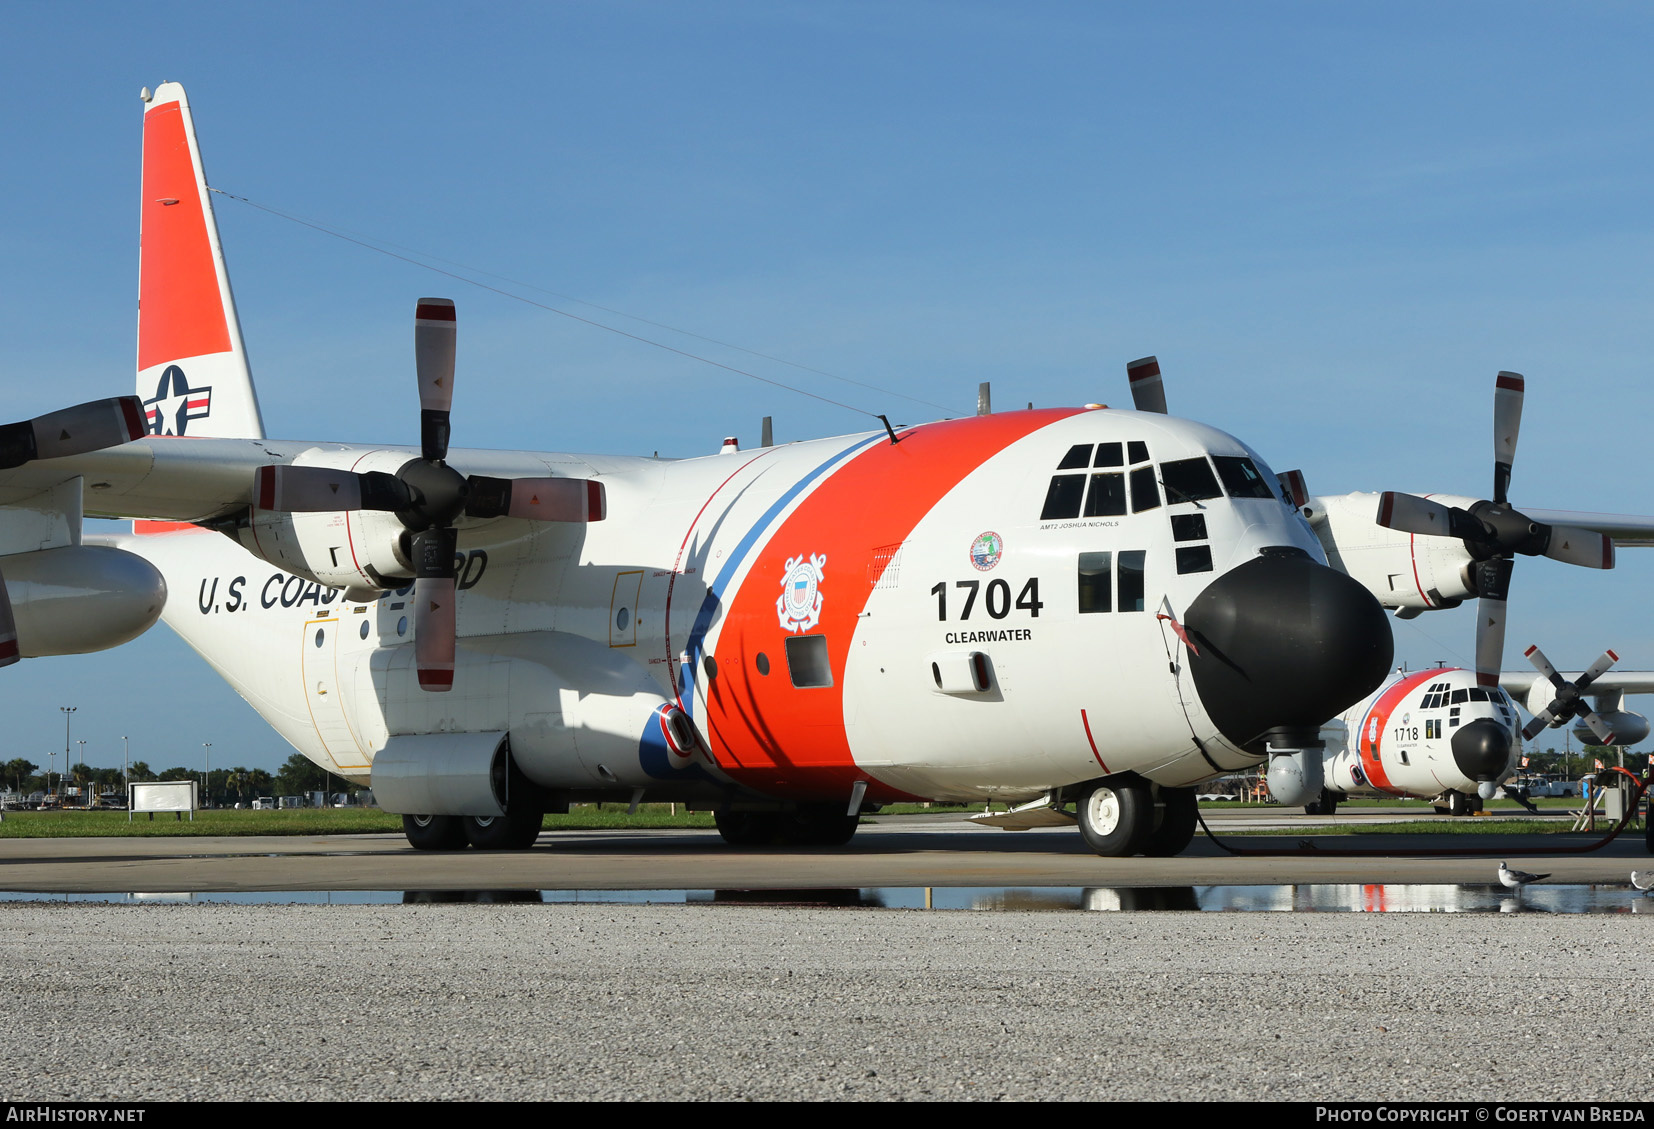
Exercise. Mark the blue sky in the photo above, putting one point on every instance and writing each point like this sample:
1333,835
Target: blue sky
1333,223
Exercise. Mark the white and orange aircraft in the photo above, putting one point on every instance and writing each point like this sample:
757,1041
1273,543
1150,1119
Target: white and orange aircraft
1439,734
1082,611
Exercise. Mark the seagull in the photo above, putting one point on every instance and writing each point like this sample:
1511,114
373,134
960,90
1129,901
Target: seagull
1643,880
1516,879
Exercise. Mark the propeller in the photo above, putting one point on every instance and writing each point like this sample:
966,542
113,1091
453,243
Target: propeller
1570,697
1494,532
1148,394
84,428
91,426
428,496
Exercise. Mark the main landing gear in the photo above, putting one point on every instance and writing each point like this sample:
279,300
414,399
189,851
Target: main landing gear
807,825
1126,815
1324,804
515,831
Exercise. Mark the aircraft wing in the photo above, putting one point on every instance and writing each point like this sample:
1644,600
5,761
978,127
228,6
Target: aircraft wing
1517,683
1625,529
167,478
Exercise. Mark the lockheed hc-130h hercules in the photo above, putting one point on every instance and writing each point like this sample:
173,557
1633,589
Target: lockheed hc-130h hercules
1084,611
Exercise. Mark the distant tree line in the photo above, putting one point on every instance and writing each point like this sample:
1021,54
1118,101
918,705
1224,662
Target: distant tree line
224,785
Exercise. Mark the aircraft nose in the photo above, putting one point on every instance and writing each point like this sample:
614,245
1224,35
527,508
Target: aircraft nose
1285,645
1481,748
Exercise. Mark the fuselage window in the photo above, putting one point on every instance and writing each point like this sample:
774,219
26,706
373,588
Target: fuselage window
1189,480
1137,451
1131,581
1110,454
1194,558
1188,527
1096,580
1145,490
1241,477
1078,457
807,661
1062,499
1107,497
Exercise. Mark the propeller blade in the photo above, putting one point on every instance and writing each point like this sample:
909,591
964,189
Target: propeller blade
1537,726
434,336
1147,393
435,623
1408,513
1493,582
91,426
308,489
1294,487
1596,670
1508,390
1580,547
1543,666
536,499
1603,731
8,627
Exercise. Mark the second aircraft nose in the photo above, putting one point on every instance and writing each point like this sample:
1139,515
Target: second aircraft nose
1284,644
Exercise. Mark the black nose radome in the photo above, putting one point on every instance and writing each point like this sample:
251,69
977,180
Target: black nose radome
1481,749
1285,644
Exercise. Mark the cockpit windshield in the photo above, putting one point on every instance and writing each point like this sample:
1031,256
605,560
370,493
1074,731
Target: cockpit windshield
1189,480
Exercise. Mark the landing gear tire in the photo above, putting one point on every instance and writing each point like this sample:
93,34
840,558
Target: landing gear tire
516,830
1177,824
748,828
822,825
434,832
1458,804
1115,818
1325,804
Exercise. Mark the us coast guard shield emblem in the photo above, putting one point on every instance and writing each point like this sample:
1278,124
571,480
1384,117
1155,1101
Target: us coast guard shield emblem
799,606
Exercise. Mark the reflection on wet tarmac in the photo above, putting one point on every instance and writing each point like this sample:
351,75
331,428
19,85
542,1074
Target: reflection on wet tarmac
1308,898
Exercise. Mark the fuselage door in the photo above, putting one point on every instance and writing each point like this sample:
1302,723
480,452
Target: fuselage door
324,695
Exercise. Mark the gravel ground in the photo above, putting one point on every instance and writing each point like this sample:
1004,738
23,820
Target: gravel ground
538,1002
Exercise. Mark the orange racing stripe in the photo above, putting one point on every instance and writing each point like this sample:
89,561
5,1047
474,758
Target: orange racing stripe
1370,738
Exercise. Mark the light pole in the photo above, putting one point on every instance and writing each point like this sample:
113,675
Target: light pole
67,710
206,779
82,744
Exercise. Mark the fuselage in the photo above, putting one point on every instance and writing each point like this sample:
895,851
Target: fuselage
988,608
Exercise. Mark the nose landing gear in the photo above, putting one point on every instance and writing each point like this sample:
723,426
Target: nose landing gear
1126,815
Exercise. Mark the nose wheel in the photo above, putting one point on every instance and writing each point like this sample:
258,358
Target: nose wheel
1123,816
1115,817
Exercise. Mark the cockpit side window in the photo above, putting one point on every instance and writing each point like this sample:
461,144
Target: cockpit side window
1096,582
1137,451
1189,480
1131,581
1241,477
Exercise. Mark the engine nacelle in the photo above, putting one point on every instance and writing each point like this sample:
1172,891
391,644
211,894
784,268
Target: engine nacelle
443,774
1402,570
80,598
357,549
1628,727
